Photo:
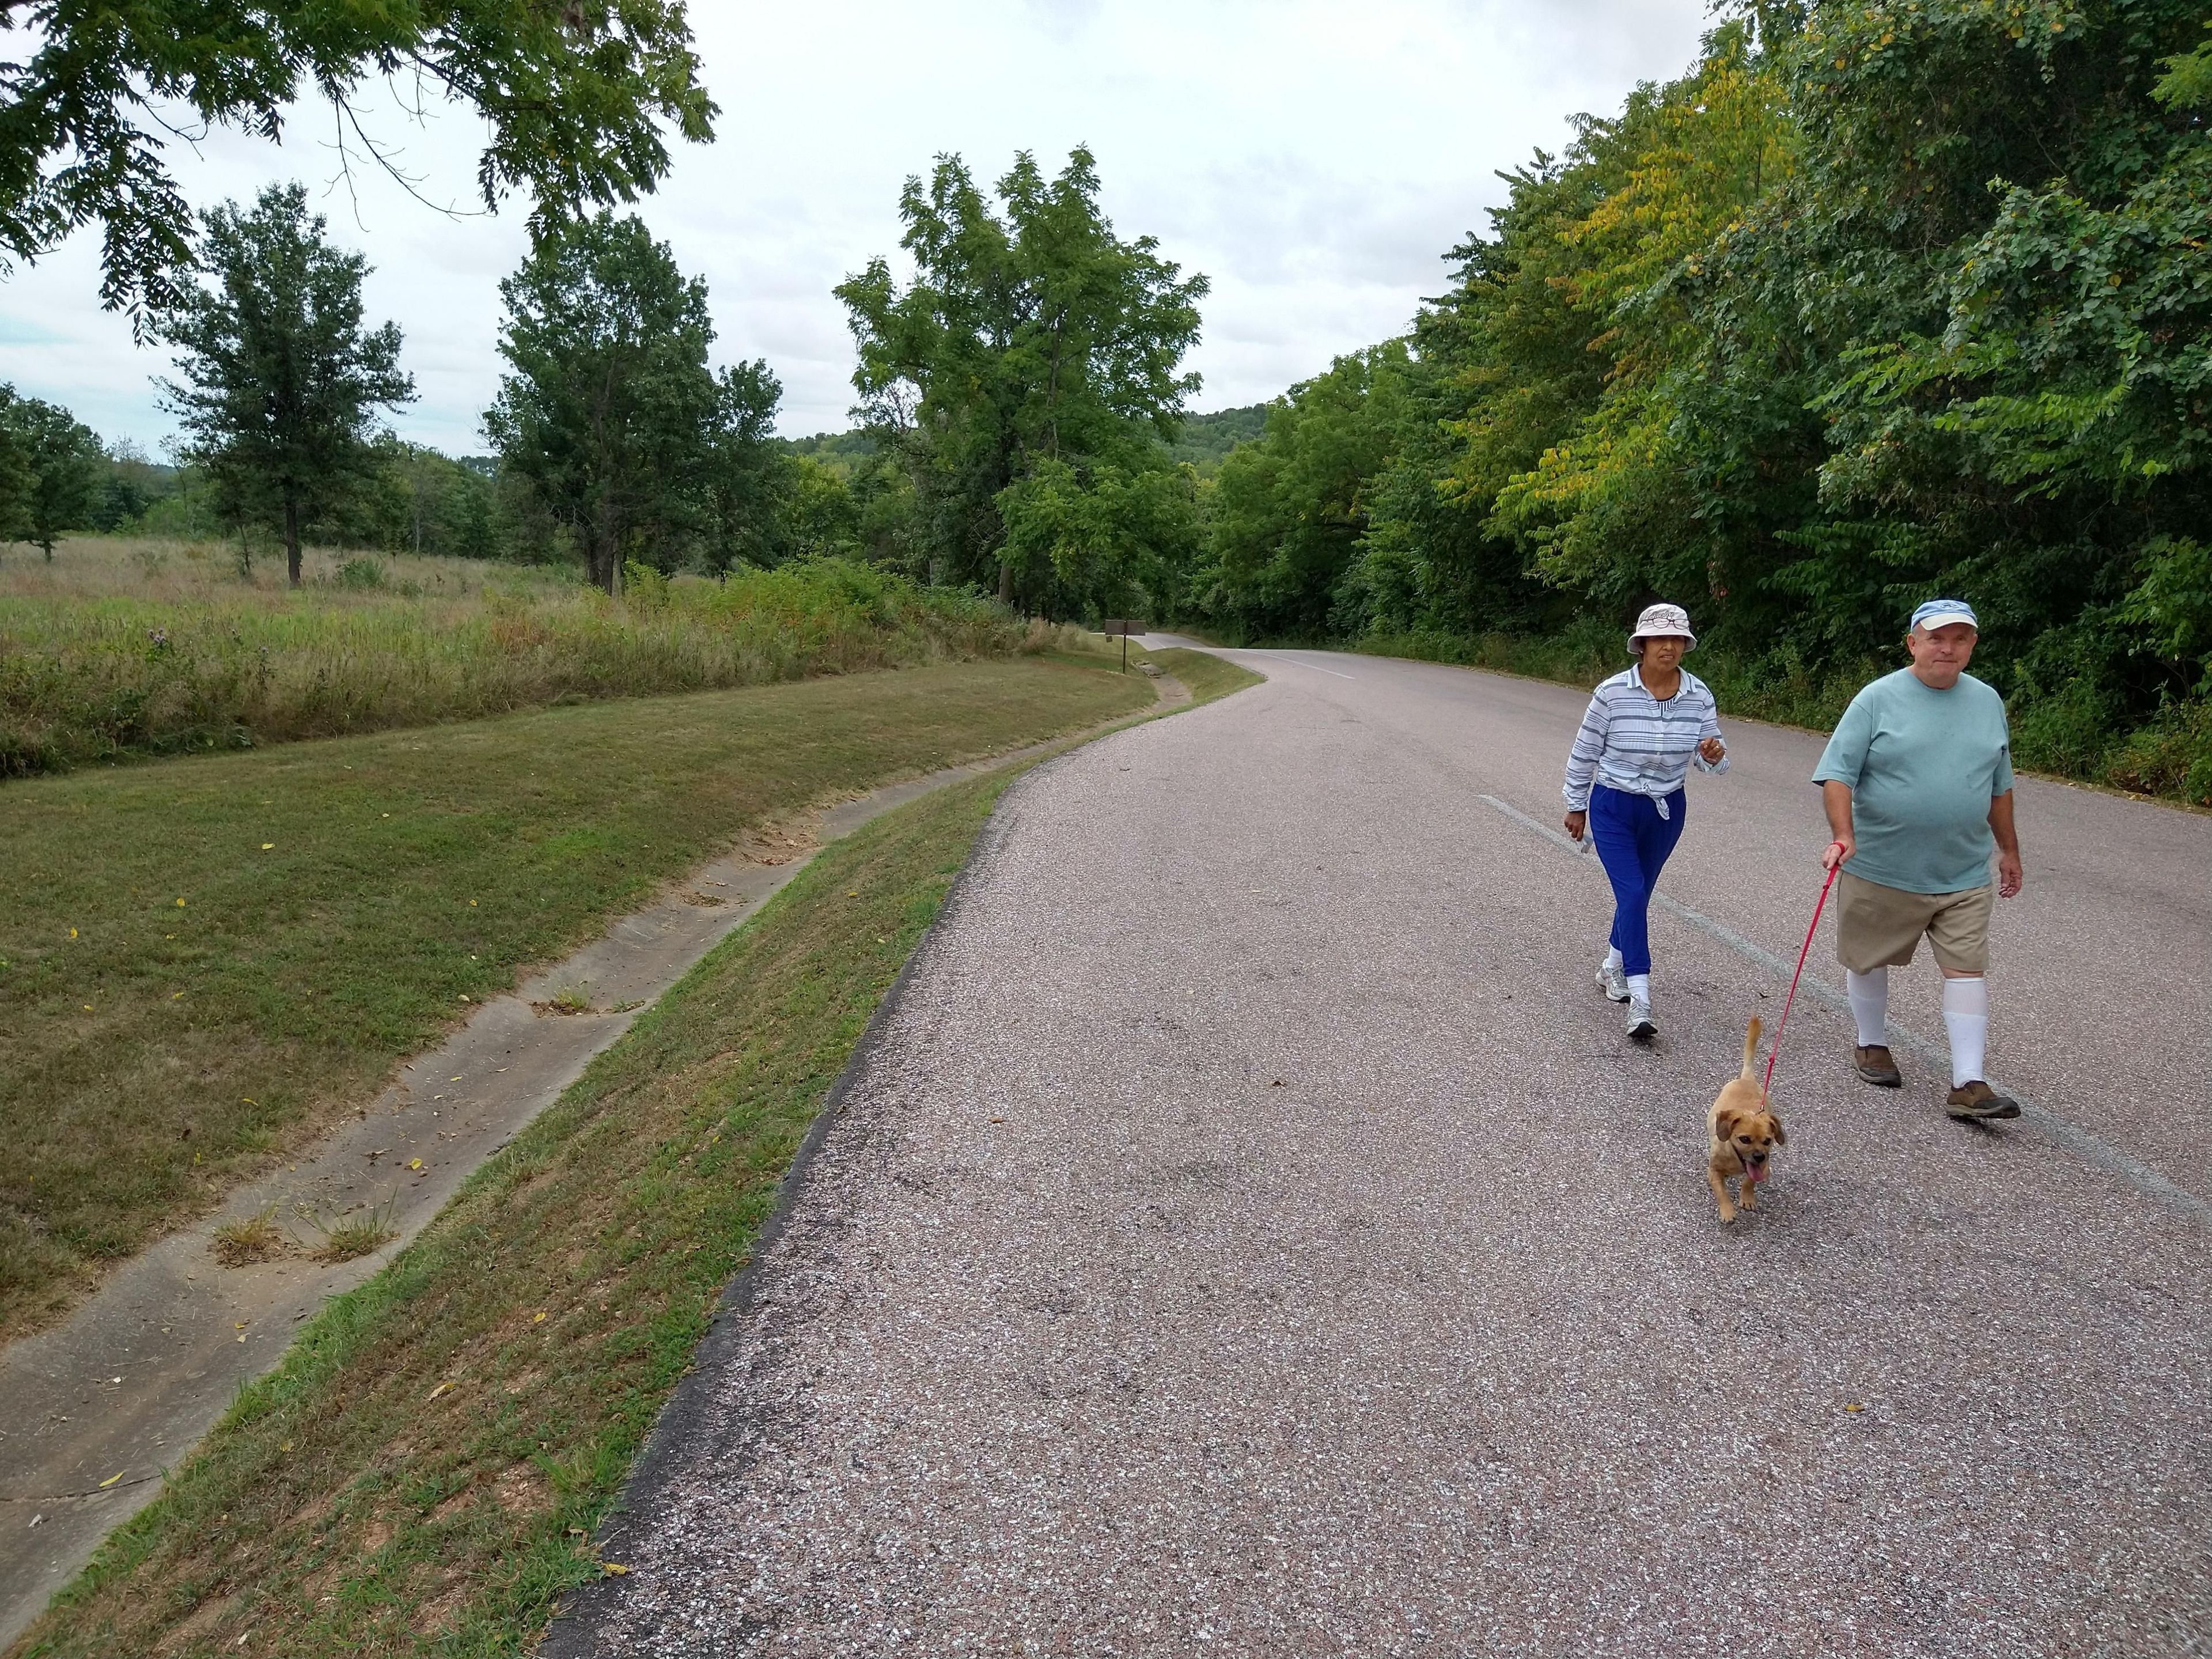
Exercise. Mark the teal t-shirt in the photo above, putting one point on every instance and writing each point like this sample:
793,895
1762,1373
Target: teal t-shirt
1922,766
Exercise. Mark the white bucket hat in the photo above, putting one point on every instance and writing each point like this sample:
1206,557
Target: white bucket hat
1662,619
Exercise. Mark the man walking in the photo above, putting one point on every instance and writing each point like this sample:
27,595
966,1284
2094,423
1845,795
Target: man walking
1917,786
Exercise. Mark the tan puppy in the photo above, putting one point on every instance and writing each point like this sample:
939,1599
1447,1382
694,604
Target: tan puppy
1741,1133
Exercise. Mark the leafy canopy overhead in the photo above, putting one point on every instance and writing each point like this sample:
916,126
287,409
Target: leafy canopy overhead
575,93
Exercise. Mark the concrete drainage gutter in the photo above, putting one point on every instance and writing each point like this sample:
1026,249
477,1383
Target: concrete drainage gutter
95,1409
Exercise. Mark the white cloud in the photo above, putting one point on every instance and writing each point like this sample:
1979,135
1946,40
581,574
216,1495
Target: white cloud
1315,161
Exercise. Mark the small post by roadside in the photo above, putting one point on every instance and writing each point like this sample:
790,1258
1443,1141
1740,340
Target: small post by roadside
1123,626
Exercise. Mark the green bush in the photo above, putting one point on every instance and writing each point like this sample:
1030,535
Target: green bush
2172,757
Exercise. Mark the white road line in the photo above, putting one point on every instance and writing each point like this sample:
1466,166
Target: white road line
2078,1140
1315,666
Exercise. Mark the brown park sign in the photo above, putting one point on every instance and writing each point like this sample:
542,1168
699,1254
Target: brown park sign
1121,626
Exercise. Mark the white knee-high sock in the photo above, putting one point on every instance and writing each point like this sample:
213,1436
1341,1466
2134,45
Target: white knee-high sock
1967,1016
1869,995
1639,988
1612,957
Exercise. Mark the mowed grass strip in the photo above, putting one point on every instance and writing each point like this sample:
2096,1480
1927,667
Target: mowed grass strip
201,961
423,1473
1208,676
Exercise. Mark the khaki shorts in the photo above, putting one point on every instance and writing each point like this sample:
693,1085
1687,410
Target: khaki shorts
1879,926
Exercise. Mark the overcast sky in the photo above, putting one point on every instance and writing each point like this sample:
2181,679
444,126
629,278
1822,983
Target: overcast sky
1313,160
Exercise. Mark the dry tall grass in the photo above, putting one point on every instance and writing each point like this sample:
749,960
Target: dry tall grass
121,647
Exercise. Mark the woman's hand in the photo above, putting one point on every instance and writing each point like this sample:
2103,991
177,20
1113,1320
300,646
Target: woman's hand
1836,852
1712,749
1574,822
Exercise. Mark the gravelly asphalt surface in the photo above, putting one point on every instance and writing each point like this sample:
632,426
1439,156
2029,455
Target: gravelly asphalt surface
1252,1234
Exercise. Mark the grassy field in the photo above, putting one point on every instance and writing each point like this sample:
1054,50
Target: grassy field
422,1474
201,961
120,648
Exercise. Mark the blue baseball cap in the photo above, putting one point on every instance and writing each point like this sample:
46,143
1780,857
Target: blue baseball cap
1941,613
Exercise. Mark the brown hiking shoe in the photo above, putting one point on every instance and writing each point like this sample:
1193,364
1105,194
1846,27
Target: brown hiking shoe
1876,1066
1978,1100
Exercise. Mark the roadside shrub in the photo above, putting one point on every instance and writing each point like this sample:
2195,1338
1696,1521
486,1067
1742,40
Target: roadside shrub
2171,757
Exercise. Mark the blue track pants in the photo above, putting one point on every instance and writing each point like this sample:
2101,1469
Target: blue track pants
1633,842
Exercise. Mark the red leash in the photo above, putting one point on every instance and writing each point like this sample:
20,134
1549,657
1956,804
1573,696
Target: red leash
1782,1024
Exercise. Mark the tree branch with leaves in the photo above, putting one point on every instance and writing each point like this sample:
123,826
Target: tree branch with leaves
577,95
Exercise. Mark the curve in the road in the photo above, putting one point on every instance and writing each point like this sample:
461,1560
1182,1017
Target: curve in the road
1250,1233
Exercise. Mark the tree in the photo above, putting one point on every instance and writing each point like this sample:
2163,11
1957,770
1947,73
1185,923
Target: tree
610,414
1290,509
280,381
574,93
1114,541
1029,335
50,475
749,482
1881,298
415,500
129,484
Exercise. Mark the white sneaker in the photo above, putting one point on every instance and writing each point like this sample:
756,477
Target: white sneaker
1613,982
1641,1026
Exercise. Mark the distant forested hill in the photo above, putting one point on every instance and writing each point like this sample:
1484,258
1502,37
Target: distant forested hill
1207,438
841,451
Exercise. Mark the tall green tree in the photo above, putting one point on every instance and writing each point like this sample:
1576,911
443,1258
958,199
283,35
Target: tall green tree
576,96
611,415
1290,509
50,469
1031,334
750,484
281,381
1116,541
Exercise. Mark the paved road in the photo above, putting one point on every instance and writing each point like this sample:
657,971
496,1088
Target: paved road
1253,1235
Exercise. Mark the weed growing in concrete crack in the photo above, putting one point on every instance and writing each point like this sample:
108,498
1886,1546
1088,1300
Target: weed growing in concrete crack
363,1236
255,1238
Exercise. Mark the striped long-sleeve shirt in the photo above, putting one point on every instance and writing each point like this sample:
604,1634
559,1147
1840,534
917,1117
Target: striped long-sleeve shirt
1630,740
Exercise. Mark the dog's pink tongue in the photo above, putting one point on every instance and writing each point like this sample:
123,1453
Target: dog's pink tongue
1756,1171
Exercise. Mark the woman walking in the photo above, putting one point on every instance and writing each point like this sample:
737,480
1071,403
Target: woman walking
1645,727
